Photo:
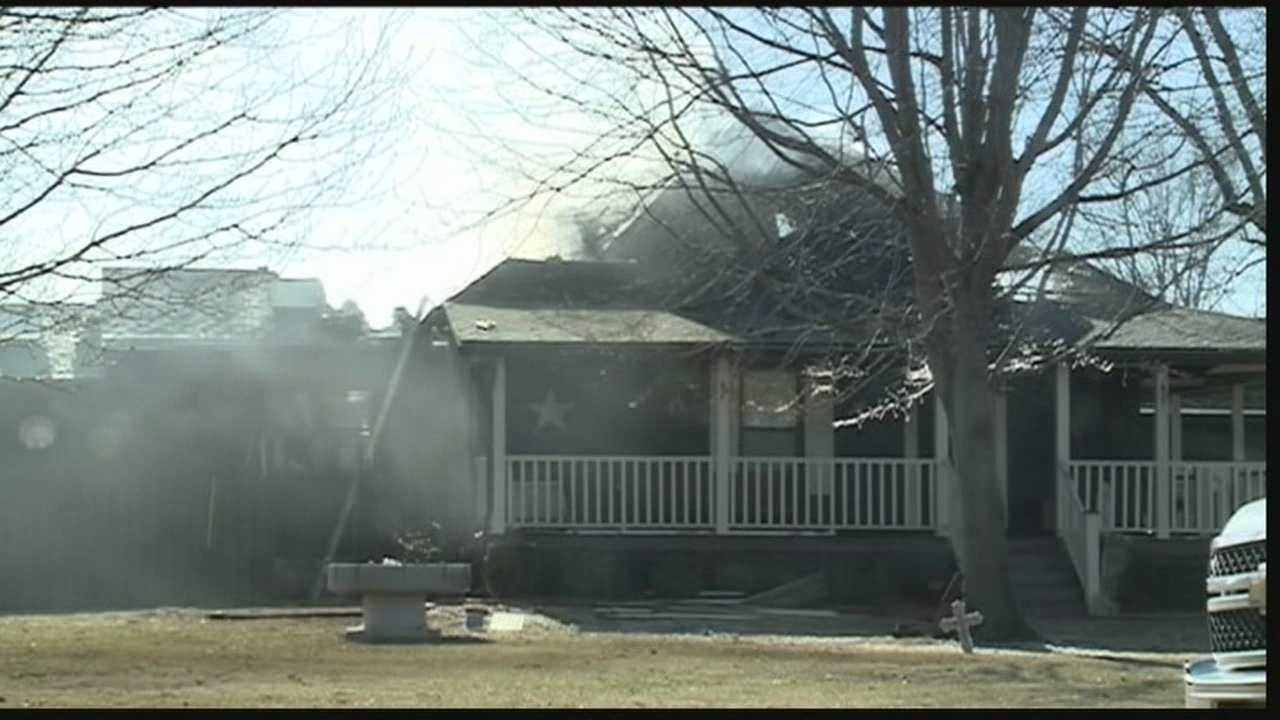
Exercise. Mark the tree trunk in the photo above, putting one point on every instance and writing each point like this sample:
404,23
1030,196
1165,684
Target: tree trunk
978,531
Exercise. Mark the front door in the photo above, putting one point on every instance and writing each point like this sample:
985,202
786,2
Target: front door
1031,456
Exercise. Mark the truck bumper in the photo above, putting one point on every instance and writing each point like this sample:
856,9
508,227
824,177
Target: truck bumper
1208,686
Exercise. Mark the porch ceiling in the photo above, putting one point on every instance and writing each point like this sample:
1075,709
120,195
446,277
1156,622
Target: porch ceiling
486,324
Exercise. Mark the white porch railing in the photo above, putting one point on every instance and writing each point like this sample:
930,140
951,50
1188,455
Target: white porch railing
610,492
1206,493
1122,491
1081,533
787,493
1202,494
677,493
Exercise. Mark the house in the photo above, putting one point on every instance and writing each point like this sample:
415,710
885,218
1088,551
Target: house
189,438
631,434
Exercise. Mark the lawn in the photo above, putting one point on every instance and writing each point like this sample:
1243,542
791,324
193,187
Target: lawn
183,659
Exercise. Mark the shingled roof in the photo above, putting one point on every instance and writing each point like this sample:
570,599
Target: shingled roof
1175,328
517,282
184,305
529,301
145,309
486,324
40,340
561,301
194,306
671,256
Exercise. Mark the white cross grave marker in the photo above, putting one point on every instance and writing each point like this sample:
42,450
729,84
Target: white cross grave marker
960,621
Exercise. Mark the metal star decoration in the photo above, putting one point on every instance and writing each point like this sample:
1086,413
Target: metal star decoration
550,411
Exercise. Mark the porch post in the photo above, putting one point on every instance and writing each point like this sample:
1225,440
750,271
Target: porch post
480,503
721,438
941,456
911,451
1175,426
819,443
1237,422
500,446
1177,481
1162,479
1002,451
1062,442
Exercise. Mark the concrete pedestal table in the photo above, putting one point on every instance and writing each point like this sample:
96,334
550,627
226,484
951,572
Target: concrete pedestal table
395,596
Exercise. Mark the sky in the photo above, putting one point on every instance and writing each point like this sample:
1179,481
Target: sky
415,241
464,94
462,132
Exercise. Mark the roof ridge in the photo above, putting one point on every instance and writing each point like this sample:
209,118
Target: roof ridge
1217,313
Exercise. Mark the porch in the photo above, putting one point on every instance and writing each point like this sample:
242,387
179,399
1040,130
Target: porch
1164,497
735,489
728,491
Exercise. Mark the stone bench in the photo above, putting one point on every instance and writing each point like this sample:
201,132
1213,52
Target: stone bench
394,596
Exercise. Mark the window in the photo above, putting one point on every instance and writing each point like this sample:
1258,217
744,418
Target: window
769,399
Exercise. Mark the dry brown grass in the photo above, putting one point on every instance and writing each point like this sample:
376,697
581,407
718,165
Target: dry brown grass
181,659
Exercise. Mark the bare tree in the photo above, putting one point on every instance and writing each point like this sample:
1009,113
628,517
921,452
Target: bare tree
160,137
1228,129
1202,182
1198,272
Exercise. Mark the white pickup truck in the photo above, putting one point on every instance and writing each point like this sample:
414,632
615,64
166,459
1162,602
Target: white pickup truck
1235,675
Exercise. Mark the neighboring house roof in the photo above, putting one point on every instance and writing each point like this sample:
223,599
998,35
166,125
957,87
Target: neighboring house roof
187,305
40,340
200,307
21,321
487,324
297,293
142,308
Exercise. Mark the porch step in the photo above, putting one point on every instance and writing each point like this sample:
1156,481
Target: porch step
1044,580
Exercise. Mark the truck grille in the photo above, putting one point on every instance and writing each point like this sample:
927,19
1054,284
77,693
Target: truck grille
1237,630
1237,559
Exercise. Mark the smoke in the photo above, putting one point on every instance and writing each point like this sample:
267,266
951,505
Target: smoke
206,475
